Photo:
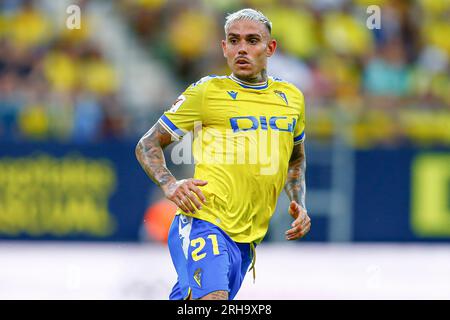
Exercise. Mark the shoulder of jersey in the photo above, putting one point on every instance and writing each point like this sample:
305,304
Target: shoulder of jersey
207,79
288,84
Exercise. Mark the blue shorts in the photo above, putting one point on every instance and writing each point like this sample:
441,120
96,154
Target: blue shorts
206,259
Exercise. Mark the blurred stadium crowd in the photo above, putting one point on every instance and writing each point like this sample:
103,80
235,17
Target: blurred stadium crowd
387,86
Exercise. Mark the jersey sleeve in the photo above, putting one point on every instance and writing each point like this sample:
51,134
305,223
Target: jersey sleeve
185,111
299,130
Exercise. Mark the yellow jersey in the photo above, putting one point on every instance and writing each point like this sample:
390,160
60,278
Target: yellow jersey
243,136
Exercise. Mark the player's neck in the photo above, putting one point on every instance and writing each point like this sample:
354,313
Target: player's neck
260,78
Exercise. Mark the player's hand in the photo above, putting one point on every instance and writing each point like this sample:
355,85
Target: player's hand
186,194
301,224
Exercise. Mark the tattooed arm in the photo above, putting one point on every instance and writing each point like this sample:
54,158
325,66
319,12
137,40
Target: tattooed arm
149,152
295,185
296,190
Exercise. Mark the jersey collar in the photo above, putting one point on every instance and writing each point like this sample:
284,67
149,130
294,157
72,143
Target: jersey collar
248,85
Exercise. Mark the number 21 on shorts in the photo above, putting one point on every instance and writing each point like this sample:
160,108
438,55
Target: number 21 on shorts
199,244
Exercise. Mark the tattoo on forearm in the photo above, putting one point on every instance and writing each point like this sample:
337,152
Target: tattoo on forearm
149,152
295,184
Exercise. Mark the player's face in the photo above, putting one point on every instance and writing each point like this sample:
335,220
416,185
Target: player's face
247,46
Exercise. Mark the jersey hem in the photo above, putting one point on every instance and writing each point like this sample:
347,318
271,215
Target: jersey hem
300,138
211,220
168,129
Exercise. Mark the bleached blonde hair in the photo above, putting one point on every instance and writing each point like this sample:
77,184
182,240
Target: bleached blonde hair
247,14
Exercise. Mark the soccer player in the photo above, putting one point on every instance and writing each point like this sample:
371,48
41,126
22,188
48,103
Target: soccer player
224,211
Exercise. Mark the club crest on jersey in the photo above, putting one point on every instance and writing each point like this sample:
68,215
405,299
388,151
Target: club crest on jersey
198,276
281,95
232,94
